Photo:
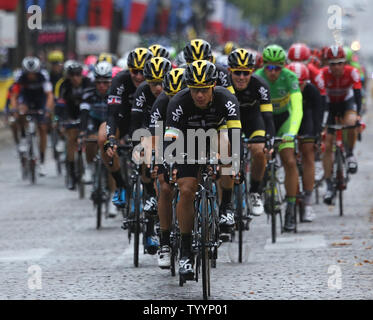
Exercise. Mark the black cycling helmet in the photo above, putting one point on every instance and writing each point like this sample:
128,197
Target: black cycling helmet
156,68
73,67
138,57
201,74
159,51
174,82
241,59
197,49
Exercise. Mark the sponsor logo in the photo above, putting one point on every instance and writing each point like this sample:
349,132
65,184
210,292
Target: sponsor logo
231,109
140,100
120,90
154,117
264,93
177,114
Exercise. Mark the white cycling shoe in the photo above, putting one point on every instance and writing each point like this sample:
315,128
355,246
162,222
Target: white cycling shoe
257,204
309,214
164,257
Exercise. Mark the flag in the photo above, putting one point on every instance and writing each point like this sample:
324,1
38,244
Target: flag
9,5
215,22
173,19
138,10
164,15
72,6
150,17
82,12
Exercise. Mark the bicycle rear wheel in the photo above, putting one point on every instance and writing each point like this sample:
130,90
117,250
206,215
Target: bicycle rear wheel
341,180
99,194
80,176
205,248
239,213
136,243
272,185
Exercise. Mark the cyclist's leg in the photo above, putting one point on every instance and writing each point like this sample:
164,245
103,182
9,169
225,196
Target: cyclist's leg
350,119
257,129
291,174
226,183
307,150
43,131
188,185
119,197
71,145
165,219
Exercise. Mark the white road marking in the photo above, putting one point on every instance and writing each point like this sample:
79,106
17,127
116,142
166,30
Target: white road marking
23,255
296,242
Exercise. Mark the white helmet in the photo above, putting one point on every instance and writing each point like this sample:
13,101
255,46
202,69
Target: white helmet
122,63
103,69
31,64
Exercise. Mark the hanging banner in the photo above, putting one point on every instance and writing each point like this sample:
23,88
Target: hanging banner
127,42
138,11
52,33
215,22
92,40
8,30
8,5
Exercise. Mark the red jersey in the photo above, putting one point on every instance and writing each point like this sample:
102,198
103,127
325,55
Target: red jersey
317,81
341,89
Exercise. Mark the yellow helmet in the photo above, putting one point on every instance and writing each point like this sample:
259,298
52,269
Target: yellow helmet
156,68
56,56
174,82
111,58
159,51
201,74
138,57
197,49
241,59
229,47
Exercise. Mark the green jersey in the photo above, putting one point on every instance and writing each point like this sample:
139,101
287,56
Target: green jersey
286,96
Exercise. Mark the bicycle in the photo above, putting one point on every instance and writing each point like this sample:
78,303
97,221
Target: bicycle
29,159
273,199
80,170
340,175
56,139
205,235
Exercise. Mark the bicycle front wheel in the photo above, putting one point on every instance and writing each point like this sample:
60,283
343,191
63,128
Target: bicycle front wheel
205,248
136,243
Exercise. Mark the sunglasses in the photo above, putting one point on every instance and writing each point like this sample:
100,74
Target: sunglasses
273,68
245,73
336,63
103,81
136,71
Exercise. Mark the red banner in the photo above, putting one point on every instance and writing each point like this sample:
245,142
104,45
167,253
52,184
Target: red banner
71,8
101,13
138,11
8,5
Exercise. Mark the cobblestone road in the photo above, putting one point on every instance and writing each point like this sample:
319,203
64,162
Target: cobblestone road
46,230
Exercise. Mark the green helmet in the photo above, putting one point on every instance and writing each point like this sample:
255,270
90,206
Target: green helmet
349,54
274,54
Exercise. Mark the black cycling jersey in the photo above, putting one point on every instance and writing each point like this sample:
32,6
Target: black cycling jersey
312,111
159,113
94,105
182,114
33,90
142,106
120,101
72,97
256,108
55,77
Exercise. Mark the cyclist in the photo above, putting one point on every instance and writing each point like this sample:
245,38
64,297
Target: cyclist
93,113
173,82
56,59
35,95
69,92
343,88
287,104
199,49
256,112
202,106
109,57
310,127
145,96
120,99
